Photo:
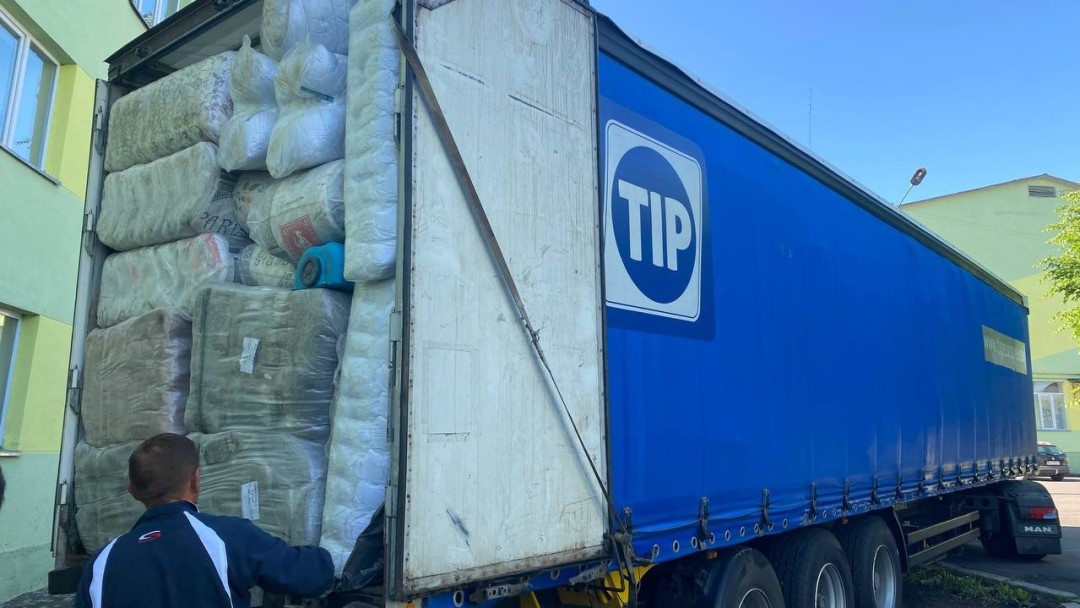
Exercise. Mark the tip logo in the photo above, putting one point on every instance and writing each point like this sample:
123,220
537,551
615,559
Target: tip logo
653,211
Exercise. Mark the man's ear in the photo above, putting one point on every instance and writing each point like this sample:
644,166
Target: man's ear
195,481
131,490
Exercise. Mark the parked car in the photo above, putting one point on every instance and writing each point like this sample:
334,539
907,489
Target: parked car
1053,463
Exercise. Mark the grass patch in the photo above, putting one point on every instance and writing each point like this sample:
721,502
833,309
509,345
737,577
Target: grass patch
972,590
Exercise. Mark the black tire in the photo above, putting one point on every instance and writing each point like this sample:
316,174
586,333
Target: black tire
876,574
739,577
744,578
813,570
1057,477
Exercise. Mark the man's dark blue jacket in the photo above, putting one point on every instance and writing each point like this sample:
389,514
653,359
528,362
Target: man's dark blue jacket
177,556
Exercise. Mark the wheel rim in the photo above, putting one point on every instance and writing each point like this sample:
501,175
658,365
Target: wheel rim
829,590
884,573
755,598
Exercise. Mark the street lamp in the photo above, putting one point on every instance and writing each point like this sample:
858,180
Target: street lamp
916,179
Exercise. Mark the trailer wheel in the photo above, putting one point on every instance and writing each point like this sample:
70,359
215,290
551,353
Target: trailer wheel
744,578
874,558
739,577
813,571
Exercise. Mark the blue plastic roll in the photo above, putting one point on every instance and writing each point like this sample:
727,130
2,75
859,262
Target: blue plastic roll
322,267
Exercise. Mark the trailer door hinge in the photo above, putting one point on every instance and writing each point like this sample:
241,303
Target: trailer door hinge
74,385
395,326
399,102
100,130
89,221
62,493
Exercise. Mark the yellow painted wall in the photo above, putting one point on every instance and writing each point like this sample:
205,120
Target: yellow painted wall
68,148
36,401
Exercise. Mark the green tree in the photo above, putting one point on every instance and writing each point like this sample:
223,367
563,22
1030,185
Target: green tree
1063,269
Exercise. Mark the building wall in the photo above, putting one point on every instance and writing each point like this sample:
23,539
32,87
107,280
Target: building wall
39,244
1004,229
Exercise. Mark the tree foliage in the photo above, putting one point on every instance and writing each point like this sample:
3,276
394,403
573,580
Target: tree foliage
1063,269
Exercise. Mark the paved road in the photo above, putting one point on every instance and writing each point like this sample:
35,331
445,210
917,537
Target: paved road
1059,572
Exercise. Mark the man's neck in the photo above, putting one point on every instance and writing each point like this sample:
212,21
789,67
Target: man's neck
168,501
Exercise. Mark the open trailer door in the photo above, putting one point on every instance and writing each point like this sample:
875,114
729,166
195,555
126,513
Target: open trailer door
491,477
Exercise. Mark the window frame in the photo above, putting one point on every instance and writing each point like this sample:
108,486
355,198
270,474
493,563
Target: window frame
25,42
1060,423
5,391
161,11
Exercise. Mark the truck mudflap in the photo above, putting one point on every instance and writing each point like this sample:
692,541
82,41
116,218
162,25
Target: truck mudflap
1037,529
1026,524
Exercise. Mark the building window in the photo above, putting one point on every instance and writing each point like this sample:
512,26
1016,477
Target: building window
154,12
9,340
1050,406
27,82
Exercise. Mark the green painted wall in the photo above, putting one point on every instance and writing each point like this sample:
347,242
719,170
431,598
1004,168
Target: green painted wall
39,242
1003,228
26,523
82,32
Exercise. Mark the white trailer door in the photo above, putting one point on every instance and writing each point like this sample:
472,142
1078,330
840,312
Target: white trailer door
492,480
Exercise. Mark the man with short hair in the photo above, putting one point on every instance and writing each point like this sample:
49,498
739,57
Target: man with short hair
177,556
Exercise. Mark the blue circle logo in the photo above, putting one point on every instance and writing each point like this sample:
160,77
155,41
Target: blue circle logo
654,226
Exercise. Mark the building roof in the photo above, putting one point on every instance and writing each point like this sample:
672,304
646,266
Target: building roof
1044,176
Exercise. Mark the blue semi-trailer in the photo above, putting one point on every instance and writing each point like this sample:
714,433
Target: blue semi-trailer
643,349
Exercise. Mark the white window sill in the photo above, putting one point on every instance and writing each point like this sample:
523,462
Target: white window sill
43,174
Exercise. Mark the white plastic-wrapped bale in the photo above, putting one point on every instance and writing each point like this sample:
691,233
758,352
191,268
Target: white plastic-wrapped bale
371,159
288,216
286,23
136,378
246,135
163,276
310,91
274,480
259,268
103,507
172,198
265,359
170,114
251,187
359,464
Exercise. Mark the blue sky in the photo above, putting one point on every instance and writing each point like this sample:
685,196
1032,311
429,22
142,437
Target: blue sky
978,92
